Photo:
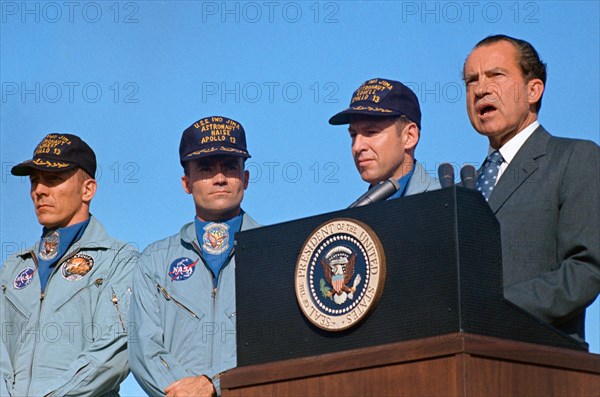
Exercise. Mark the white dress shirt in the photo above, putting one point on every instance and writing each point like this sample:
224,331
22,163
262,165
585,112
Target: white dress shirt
509,149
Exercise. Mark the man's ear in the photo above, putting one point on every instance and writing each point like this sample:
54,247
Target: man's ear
89,187
246,179
535,89
185,182
411,136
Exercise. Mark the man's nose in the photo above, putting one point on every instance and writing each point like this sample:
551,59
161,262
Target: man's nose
483,87
358,144
39,189
220,178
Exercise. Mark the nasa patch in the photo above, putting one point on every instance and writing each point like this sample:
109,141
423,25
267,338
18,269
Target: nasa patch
339,274
182,268
23,279
77,267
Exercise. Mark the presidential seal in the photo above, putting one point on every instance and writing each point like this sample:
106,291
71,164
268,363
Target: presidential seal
339,274
77,267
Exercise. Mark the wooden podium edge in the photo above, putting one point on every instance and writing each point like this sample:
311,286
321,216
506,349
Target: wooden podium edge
407,351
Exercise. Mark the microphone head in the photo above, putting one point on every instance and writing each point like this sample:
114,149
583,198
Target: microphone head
379,192
446,175
393,182
468,175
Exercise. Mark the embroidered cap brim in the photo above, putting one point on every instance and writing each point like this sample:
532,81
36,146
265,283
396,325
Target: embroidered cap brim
25,168
216,151
212,136
345,116
381,98
58,153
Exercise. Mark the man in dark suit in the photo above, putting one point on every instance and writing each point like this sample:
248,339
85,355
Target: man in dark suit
544,190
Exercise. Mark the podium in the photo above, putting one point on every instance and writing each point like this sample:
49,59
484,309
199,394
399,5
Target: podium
440,327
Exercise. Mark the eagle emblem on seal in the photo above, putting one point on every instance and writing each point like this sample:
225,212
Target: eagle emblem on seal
338,267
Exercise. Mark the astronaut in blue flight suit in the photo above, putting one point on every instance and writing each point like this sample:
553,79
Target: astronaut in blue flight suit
183,301
64,301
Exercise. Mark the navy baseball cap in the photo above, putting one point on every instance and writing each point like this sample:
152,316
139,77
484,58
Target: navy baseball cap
381,98
210,136
58,153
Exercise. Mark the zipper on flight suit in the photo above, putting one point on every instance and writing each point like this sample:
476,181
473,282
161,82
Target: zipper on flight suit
214,296
115,301
58,264
11,302
199,253
214,291
170,298
162,360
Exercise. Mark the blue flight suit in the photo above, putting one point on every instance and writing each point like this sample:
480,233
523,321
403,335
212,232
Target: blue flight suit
184,326
72,339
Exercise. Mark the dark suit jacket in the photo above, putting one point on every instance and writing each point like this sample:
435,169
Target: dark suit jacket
548,205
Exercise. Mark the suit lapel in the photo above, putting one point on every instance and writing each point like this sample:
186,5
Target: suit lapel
522,166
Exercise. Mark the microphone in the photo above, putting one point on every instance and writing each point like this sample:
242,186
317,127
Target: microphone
446,175
468,176
379,192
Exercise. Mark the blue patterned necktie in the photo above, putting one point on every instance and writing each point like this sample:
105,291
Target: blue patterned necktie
487,178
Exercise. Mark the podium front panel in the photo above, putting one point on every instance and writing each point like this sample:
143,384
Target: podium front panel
443,276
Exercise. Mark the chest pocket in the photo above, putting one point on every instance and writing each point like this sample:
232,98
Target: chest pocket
80,291
15,310
179,304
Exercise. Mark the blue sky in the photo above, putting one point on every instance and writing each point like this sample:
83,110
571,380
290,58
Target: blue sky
128,77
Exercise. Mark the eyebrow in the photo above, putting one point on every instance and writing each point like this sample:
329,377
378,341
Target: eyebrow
496,69
486,72
230,163
368,126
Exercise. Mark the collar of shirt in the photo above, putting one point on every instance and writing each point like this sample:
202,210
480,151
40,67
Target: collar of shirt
510,149
403,183
64,239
